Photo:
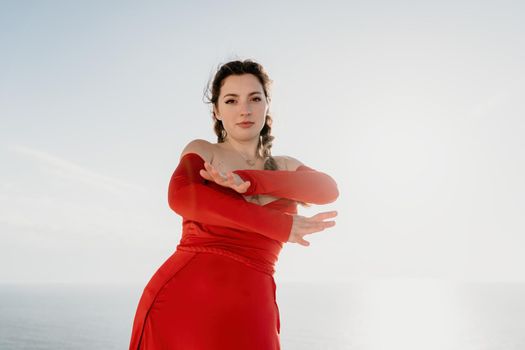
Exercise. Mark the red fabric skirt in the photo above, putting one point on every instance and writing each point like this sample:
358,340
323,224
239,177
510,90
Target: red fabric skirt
207,301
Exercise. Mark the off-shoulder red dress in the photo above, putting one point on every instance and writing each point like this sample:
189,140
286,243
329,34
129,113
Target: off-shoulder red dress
217,291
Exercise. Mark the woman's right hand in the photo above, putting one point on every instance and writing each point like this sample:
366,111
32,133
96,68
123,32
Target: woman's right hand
304,226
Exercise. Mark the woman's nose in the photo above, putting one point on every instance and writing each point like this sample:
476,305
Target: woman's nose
245,109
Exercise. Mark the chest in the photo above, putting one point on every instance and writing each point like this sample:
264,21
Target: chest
228,163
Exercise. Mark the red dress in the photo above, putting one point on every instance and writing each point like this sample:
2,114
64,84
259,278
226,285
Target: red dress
216,291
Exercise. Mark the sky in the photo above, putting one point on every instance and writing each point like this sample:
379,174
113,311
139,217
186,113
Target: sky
415,108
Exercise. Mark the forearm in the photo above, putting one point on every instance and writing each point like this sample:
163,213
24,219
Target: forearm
303,185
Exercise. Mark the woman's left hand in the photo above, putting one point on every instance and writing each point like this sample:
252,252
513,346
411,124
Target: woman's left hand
230,180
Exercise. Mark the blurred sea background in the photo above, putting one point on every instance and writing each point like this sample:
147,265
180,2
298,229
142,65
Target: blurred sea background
373,315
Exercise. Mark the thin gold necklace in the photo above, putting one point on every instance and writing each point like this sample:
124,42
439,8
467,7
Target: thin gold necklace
251,163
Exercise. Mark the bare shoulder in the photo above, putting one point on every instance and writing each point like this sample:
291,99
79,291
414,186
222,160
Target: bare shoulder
201,147
287,163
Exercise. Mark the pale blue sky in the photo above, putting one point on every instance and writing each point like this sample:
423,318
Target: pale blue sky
414,107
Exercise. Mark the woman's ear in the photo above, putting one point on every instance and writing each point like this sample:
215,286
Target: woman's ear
216,114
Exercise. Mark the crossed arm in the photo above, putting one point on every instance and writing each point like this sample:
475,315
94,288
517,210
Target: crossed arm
190,196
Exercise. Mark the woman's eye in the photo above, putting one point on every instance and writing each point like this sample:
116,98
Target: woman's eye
257,99
229,101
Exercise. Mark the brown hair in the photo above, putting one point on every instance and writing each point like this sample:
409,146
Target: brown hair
213,91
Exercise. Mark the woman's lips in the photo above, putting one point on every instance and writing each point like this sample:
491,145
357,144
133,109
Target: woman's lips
245,124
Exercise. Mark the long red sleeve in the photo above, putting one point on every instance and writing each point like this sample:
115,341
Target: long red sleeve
304,185
191,196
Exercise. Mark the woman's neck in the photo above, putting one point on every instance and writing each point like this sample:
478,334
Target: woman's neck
248,149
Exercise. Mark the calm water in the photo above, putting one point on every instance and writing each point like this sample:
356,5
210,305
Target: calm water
368,316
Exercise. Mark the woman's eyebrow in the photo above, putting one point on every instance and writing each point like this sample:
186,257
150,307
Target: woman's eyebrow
235,95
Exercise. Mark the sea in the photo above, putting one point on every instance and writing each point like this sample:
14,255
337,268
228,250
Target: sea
369,315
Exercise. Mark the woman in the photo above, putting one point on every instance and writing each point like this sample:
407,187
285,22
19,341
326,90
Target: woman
239,205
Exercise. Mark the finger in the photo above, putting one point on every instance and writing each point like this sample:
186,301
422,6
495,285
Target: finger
324,215
328,224
303,242
208,166
231,182
208,175
211,169
205,174
218,176
309,229
214,171
230,179
242,187
316,226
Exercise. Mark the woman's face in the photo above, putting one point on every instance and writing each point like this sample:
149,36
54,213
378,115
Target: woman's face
242,106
